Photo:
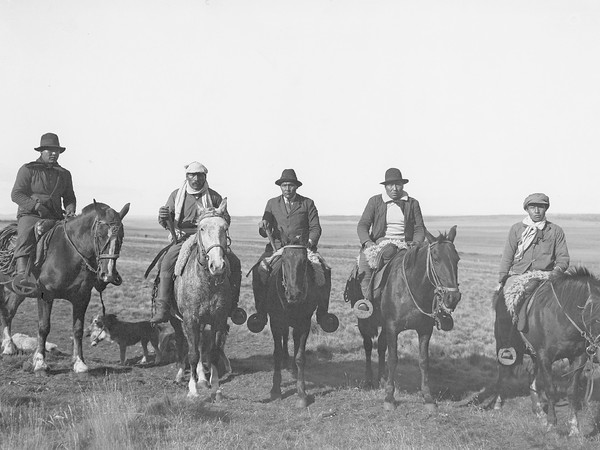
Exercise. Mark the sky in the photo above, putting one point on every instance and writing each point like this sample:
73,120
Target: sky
479,103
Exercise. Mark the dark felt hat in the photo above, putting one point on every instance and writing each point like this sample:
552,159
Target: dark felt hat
288,176
537,199
49,141
394,175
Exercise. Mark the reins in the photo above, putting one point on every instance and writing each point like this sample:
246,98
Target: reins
435,281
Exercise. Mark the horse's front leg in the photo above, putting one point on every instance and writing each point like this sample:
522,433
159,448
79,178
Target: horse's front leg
300,338
39,357
392,346
368,346
424,338
277,333
9,303
381,349
575,394
545,371
180,343
79,308
192,333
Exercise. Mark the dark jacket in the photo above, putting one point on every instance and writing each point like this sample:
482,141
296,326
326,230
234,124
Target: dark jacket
372,224
547,251
302,220
49,184
187,220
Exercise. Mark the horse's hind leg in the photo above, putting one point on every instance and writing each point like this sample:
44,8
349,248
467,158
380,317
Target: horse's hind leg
79,308
9,303
368,346
575,394
39,357
545,371
424,338
286,352
300,338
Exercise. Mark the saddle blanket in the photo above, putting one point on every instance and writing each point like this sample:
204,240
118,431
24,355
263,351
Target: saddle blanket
514,293
372,254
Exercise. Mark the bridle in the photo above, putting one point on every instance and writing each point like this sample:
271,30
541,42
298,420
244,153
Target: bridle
99,250
282,287
203,253
438,307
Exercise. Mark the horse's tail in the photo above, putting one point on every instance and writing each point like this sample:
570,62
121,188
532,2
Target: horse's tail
8,236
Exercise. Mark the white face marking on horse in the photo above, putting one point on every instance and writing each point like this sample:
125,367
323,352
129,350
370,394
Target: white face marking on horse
213,234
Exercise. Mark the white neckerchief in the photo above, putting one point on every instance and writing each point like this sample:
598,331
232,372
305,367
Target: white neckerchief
387,198
527,236
186,188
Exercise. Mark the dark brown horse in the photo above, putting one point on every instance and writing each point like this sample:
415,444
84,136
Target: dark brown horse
422,289
82,254
204,298
291,301
563,322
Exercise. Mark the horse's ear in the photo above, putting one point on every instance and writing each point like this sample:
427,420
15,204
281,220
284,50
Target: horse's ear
223,206
430,237
96,206
124,210
452,234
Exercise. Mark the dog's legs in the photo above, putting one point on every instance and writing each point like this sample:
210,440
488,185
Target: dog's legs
145,350
156,346
122,350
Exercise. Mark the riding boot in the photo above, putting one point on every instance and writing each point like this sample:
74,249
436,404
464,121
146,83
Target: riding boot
163,300
328,322
237,314
22,284
256,322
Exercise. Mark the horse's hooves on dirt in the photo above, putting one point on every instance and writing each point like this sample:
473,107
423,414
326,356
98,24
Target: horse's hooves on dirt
41,373
216,397
302,403
431,408
389,406
275,396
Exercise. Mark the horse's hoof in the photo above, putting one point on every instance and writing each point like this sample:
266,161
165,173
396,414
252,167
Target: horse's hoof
302,403
192,395
275,396
329,322
217,397
41,372
363,309
256,323
9,349
238,316
389,406
431,408
80,368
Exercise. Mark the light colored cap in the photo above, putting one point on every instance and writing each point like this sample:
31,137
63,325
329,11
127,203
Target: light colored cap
195,167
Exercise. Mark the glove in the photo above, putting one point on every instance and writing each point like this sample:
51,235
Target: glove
164,213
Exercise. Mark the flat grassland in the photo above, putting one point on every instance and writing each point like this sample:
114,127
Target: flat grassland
141,407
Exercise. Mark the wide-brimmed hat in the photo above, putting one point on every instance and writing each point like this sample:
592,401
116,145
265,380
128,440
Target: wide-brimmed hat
288,176
537,199
195,167
394,175
49,141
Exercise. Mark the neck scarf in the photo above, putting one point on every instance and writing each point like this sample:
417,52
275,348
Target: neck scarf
187,189
528,235
388,199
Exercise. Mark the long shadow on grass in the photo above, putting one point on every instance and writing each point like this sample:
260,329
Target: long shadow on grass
450,378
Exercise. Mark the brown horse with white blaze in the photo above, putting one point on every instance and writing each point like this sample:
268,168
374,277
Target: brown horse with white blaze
422,290
82,254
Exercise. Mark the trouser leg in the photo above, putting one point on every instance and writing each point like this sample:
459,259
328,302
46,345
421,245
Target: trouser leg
166,295
260,276
364,273
237,314
328,322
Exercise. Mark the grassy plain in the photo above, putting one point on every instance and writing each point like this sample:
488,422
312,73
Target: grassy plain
141,407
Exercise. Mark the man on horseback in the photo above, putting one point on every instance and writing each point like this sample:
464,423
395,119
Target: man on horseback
39,188
534,246
181,211
389,218
286,217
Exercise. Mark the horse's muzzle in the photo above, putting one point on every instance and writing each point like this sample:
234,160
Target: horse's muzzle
450,299
112,278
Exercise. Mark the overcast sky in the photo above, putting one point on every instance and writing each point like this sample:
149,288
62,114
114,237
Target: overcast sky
479,103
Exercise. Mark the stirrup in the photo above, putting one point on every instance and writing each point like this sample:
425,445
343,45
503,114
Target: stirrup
507,356
329,322
238,316
22,286
256,323
363,309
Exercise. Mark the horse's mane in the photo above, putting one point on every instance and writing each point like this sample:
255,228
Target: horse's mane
571,287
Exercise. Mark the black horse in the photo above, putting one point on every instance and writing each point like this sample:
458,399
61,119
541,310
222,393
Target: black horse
291,301
82,254
563,321
422,289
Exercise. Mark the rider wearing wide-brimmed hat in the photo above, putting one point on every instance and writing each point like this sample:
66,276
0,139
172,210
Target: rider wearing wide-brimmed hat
41,189
182,209
391,216
286,217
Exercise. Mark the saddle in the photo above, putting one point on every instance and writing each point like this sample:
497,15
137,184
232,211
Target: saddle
519,295
44,230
